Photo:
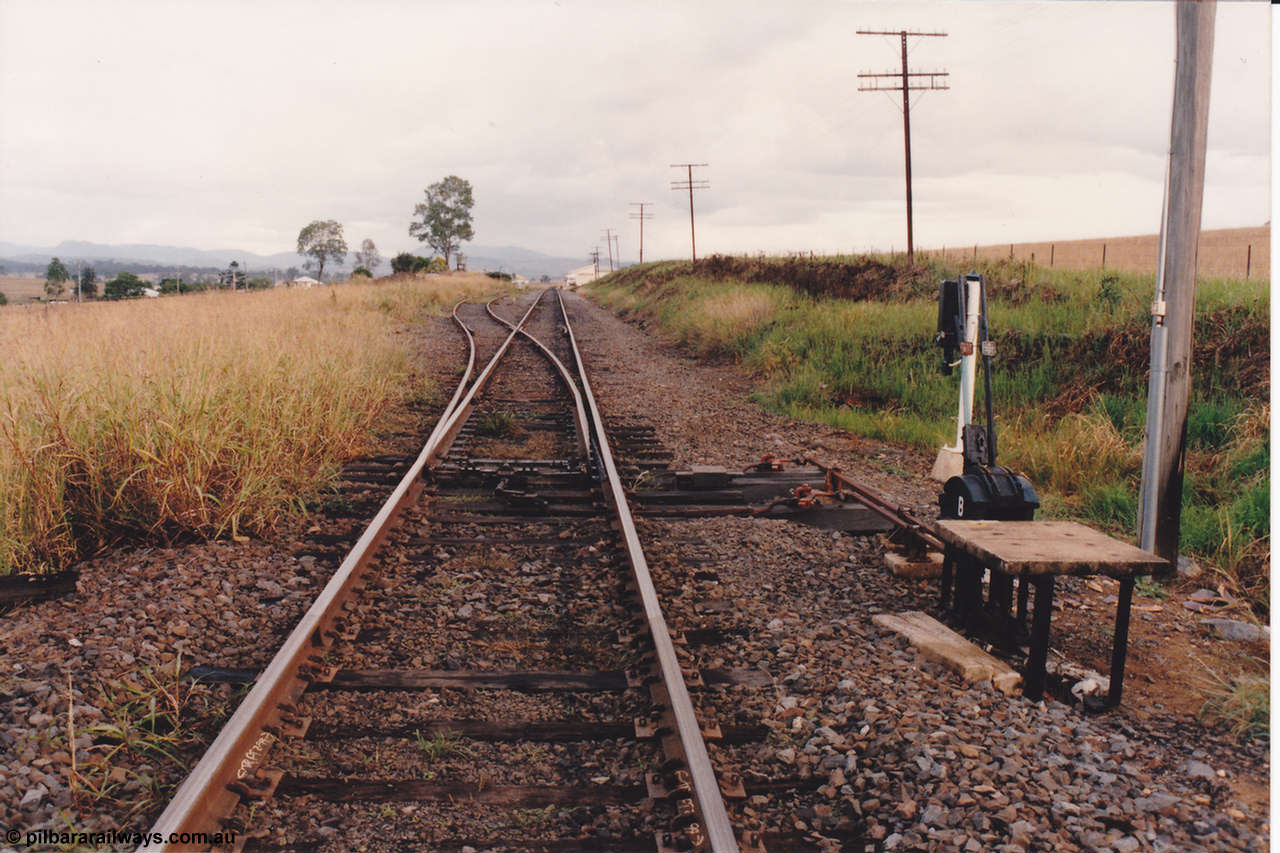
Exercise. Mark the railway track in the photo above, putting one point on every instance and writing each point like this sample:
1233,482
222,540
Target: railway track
490,667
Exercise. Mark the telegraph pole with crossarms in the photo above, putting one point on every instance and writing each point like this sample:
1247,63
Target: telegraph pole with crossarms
906,86
642,216
690,184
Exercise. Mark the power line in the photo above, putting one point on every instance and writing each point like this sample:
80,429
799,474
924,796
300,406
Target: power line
690,184
906,87
641,216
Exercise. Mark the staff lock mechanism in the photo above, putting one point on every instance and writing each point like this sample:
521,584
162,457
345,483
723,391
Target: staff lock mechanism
974,486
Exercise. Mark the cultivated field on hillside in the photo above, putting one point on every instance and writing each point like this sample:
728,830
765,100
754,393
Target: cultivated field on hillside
1225,253
201,414
21,288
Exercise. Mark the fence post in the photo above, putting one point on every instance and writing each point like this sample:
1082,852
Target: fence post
1104,254
1248,261
1052,246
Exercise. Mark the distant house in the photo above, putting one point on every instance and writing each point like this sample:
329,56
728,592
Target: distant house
581,275
150,292
303,281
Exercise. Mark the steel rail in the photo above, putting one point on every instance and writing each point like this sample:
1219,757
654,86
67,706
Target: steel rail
707,798
447,430
466,373
205,798
905,521
579,410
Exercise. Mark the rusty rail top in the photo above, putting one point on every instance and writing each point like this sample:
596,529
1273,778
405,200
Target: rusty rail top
706,789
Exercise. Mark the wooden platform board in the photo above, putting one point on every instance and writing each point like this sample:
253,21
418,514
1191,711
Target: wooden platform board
939,643
1047,548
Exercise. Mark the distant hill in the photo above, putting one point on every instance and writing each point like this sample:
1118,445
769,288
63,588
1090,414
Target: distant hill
145,254
17,257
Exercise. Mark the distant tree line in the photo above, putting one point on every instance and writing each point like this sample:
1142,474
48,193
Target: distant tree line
61,284
405,262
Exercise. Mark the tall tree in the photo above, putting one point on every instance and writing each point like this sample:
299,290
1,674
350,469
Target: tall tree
444,219
323,241
232,277
88,283
402,262
55,278
368,256
126,285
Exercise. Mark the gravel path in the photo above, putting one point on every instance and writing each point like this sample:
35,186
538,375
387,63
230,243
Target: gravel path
926,761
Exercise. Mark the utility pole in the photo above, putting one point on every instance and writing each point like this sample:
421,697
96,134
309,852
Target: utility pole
1171,310
608,245
1170,382
906,87
617,248
641,216
595,262
690,184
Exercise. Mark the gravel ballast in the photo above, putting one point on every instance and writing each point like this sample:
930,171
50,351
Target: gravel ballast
928,762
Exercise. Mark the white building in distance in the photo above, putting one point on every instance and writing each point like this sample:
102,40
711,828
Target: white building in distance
582,275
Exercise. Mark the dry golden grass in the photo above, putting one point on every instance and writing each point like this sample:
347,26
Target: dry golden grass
1223,253
719,321
202,414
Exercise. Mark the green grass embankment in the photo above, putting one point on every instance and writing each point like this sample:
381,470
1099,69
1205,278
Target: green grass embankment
848,341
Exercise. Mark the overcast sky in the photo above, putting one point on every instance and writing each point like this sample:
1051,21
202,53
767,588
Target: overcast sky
233,124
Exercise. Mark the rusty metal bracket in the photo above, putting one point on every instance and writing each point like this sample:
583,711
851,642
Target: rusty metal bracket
292,726
257,787
913,532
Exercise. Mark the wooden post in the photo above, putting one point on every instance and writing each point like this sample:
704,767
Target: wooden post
1248,261
1052,247
1170,384
1104,255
